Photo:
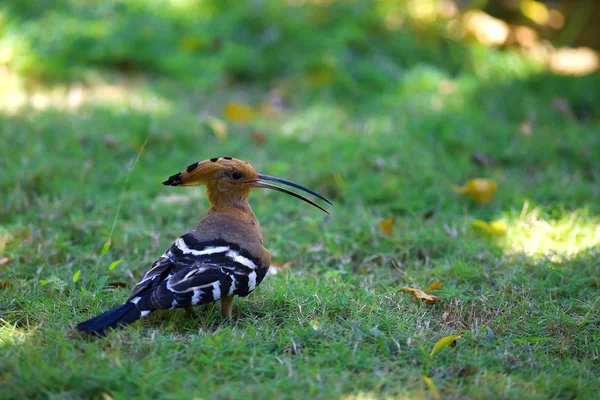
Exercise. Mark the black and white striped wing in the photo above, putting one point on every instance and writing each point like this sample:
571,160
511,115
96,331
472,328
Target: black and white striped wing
193,272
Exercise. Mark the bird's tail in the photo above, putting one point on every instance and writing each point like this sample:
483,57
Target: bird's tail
121,315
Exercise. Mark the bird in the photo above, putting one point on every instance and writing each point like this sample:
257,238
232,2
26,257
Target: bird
221,257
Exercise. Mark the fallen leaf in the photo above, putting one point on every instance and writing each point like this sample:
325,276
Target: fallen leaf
259,138
494,228
5,262
4,285
421,295
219,128
284,264
114,264
76,275
316,325
238,112
277,267
433,392
435,286
446,341
386,226
481,190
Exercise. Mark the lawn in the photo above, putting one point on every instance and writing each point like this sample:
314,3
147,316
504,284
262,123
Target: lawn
101,101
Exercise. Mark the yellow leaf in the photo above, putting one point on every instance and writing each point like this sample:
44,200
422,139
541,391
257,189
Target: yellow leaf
316,325
494,228
386,226
433,392
421,295
238,112
435,286
219,128
447,341
481,190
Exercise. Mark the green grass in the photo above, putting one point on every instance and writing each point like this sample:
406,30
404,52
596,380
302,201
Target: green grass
383,139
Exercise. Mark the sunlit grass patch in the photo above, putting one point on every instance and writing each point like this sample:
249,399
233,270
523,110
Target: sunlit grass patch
538,234
16,95
11,335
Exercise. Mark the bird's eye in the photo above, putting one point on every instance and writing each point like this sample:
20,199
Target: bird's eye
236,175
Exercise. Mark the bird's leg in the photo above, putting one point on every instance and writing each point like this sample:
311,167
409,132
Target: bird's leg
226,303
189,310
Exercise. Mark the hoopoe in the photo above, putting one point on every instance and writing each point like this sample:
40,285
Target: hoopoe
221,257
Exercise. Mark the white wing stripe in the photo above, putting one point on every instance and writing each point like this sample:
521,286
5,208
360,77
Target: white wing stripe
216,291
235,256
251,281
187,289
180,244
232,287
196,297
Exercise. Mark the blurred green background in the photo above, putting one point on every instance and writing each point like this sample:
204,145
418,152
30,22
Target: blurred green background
386,107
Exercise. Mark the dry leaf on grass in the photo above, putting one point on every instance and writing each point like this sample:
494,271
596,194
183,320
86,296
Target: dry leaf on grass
386,226
494,228
238,112
447,341
479,189
421,295
433,391
219,128
277,267
5,262
435,286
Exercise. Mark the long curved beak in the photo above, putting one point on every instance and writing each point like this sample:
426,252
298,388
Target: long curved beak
260,184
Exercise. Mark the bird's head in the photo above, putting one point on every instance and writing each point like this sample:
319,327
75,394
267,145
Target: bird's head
228,179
